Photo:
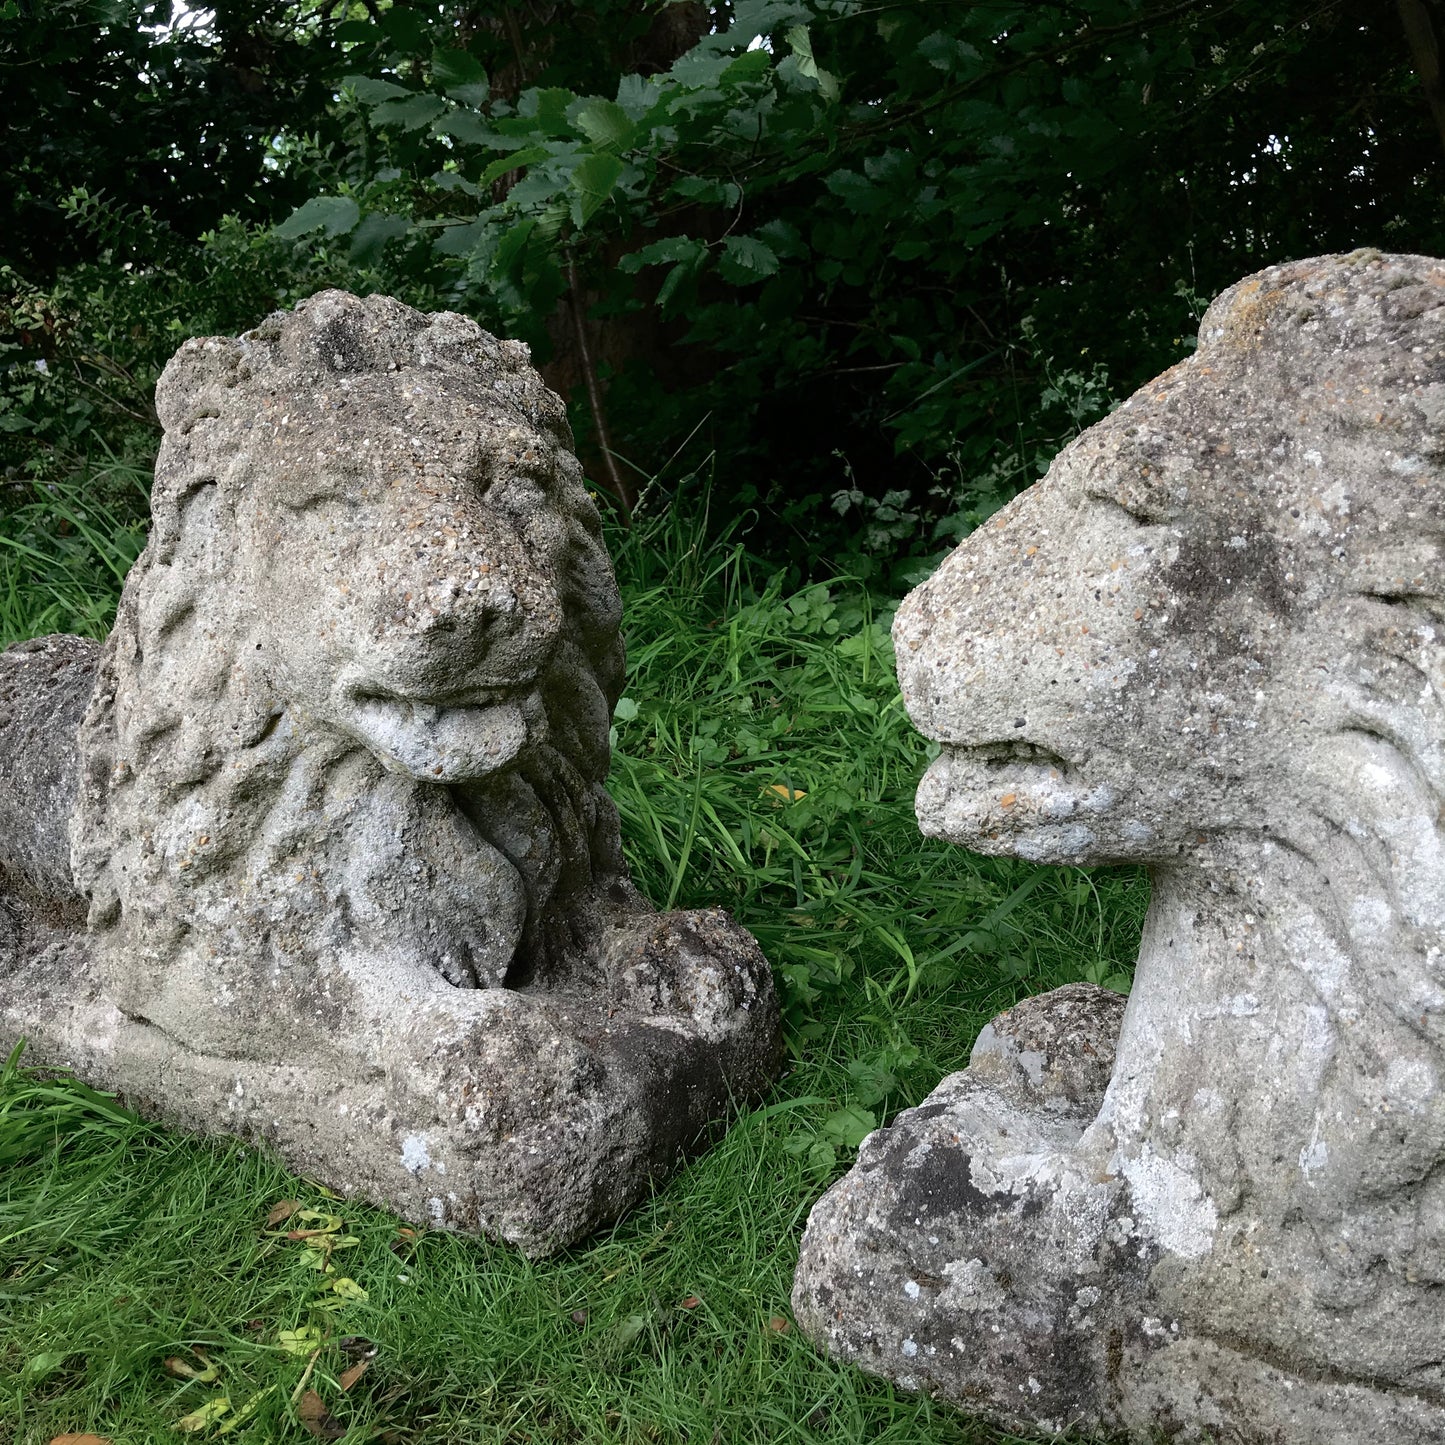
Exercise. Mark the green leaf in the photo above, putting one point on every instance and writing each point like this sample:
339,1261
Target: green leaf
358,32
461,75
945,52
750,65
348,1288
455,181
605,124
625,710
514,162
374,234
849,1127
801,45
46,1363
460,240
405,28
300,1341
594,179
680,273
410,114
513,247
671,248
548,108
637,95
472,129
860,195
331,215
745,259
373,92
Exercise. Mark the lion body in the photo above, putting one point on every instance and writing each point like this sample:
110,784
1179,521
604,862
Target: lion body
336,804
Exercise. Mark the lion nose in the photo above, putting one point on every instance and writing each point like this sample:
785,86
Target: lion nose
498,616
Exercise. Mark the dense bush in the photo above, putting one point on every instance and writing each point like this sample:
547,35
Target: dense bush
877,260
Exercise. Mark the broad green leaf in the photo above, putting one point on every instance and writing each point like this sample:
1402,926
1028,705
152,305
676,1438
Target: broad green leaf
670,248
683,271
348,1288
460,240
801,44
605,124
45,1363
455,181
405,28
472,129
358,32
637,95
849,1127
593,179
461,75
331,215
947,52
373,235
547,108
625,710
300,1341
745,259
518,160
697,69
373,92
512,246
750,65
707,190
410,114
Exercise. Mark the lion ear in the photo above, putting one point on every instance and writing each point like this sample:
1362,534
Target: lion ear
197,379
334,331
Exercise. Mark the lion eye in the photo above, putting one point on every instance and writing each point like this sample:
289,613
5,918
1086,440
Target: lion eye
517,493
1135,509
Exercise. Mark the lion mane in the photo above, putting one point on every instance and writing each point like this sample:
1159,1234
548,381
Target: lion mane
242,815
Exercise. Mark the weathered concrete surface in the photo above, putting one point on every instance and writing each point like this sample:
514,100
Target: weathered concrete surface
354,883
1209,640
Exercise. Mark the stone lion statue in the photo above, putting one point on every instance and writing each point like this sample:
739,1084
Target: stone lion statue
336,803
1211,640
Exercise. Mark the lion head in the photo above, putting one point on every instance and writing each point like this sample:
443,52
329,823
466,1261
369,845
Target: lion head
358,694
1220,609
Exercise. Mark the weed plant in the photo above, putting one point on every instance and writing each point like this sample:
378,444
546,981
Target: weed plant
762,761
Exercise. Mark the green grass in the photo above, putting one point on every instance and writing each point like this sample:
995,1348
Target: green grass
763,762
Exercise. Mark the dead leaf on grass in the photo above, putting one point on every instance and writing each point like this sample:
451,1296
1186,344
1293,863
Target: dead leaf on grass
317,1420
81,1440
282,1212
204,1375
349,1376
778,1325
690,1303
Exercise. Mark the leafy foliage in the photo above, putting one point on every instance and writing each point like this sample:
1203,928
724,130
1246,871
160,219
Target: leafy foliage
831,232
847,246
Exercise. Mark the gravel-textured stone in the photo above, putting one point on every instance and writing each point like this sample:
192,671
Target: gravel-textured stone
336,805
1209,640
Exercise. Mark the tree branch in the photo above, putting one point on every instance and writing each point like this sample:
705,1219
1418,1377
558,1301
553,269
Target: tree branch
1423,31
626,498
